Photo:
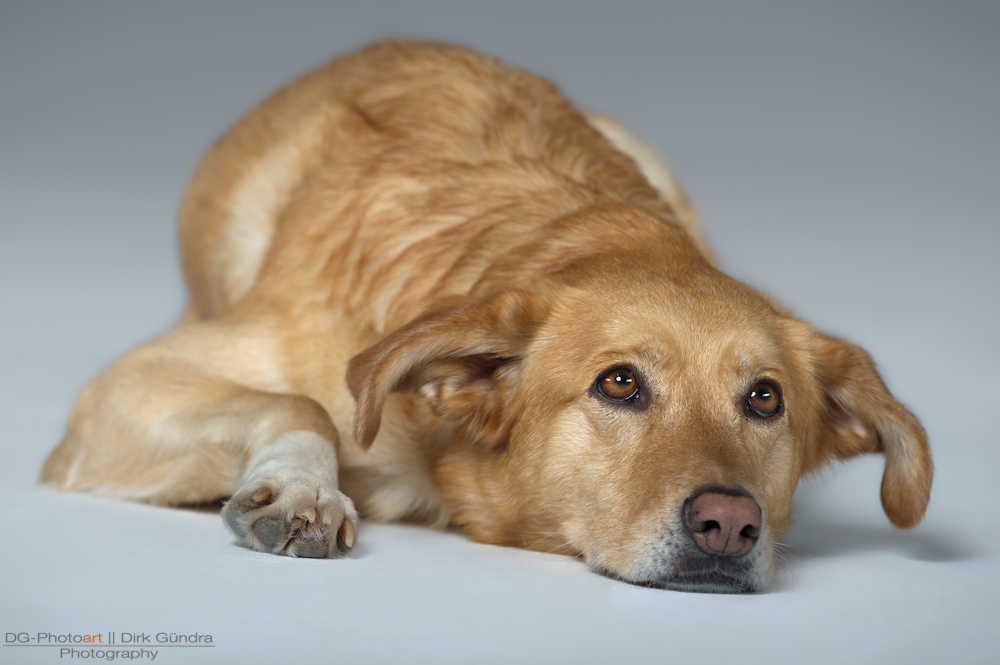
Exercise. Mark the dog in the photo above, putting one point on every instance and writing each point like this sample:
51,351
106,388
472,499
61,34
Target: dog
425,287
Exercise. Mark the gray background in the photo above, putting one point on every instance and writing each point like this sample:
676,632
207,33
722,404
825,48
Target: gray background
844,157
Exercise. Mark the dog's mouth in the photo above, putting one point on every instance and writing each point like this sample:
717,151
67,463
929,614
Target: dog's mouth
693,570
697,573
709,581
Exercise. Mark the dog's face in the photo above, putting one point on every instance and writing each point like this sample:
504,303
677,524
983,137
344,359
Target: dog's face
655,422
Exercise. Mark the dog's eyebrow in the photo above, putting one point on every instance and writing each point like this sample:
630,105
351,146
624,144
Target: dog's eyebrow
643,356
757,353
758,367
749,371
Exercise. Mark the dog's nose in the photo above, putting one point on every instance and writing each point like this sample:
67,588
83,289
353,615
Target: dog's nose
723,524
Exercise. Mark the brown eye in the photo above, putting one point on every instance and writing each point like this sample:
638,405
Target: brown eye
618,384
764,400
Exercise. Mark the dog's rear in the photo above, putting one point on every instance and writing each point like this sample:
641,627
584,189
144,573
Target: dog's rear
523,305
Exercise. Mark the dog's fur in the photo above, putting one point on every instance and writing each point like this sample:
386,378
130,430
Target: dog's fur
408,271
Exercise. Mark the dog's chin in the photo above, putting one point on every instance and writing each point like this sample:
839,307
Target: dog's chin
709,582
702,574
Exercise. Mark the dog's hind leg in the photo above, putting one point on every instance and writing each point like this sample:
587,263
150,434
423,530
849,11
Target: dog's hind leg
177,421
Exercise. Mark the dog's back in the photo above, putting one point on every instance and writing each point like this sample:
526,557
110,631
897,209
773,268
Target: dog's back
422,158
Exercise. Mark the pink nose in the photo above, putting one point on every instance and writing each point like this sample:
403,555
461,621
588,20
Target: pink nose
723,524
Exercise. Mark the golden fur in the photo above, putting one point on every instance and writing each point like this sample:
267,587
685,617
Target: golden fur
471,253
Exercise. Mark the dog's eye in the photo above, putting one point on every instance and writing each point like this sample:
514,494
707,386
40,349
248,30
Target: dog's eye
764,400
618,384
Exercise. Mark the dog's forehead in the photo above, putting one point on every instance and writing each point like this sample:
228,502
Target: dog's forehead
706,318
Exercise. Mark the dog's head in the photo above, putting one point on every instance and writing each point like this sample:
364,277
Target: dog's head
645,411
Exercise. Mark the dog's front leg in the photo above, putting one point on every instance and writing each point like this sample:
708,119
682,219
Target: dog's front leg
288,502
177,421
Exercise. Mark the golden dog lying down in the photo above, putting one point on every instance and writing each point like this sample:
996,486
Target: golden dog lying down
537,347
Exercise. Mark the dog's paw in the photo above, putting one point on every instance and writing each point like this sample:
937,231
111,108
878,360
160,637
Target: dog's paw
301,517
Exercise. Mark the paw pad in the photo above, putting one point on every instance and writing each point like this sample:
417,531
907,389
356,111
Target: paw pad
303,518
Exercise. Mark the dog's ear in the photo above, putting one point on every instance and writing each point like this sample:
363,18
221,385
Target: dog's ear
462,361
861,416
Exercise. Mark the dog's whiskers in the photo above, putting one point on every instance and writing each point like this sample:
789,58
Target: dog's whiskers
784,547
544,536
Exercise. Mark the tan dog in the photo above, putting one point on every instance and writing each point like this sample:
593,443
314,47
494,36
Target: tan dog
536,345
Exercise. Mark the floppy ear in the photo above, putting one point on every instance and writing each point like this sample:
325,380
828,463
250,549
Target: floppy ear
462,361
861,417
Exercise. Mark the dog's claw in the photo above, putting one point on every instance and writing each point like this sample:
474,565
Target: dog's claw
309,515
327,518
348,533
262,495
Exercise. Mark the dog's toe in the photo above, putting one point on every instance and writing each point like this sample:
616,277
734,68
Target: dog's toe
271,530
315,548
234,522
300,517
